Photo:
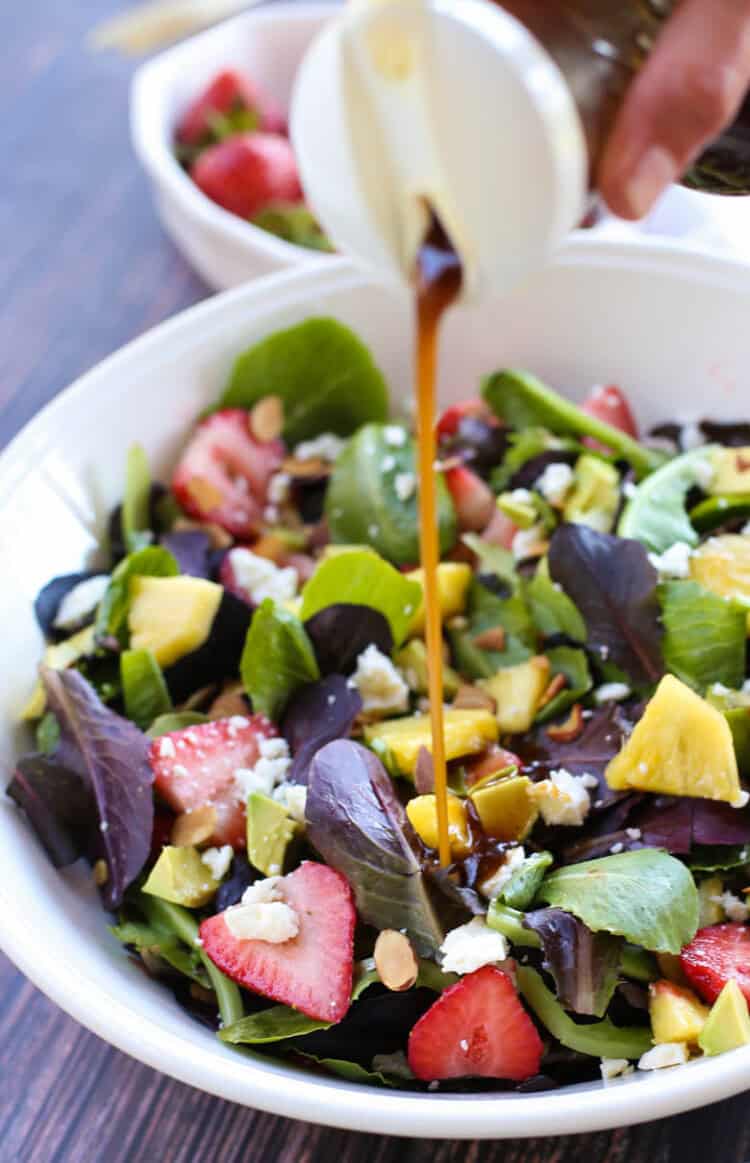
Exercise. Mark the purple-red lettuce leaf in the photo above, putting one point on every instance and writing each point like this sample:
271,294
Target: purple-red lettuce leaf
340,633
110,754
358,825
58,806
585,965
601,739
716,823
319,713
50,598
191,549
614,586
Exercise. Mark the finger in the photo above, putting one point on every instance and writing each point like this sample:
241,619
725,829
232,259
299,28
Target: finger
687,92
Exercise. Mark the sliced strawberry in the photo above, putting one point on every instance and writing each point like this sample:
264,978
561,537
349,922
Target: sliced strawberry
223,474
477,1028
313,971
715,956
473,500
249,172
228,94
448,424
500,530
610,405
196,766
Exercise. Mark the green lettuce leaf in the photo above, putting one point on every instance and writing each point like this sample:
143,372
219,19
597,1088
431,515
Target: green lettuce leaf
144,690
136,517
271,1025
155,938
647,896
277,660
351,1071
359,577
526,881
112,615
493,559
551,609
585,965
325,376
574,665
705,637
524,446
656,514
485,611
175,721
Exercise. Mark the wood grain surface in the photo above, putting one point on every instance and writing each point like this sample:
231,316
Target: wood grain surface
84,269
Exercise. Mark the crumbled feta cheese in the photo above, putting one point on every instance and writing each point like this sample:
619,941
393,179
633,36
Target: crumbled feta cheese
327,446
554,483
526,541
734,908
614,1068
394,435
262,578
263,914
80,602
217,860
492,885
167,748
691,436
373,531
294,798
633,833
745,530
629,489
405,484
522,497
742,800
278,488
563,798
616,849
269,770
389,463
611,692
471,946
704,473
379,683
665,1054
673,562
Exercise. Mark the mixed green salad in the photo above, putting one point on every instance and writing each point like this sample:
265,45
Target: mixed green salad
232,728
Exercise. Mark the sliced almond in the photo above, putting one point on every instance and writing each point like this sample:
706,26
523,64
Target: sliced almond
205,495
493,639
459,622
194,828
101,873
472,698
395,961
571,729
315,467
267,418
558,683
218,537
230,702
271,547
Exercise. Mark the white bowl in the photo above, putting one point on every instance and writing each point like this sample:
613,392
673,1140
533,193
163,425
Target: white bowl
668,325
267,44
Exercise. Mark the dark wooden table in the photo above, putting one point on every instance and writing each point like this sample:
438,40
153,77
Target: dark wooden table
84,269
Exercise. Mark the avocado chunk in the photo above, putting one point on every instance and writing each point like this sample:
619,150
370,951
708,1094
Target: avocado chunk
171,616
399,741
676,1013
422,813
180,877
728,1025
722,565
521,512
731,472
518,690
506,810
412,660
270,830
454,578
595,497
735,707
682,746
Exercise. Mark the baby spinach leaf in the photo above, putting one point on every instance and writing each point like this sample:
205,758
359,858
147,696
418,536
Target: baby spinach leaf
144,690
47,733
364,505
487,611
526,445
154,561
277,660
175,721
325,376
599,1039
359,577
352,1071
657,513
493,559
271,1025
340,633
294,223
153,938
524,884
136,503
318,714
704,636
359,827
719,858
378,1024
58,805
648,897
551,608
613,585
585,965
573,664
523,401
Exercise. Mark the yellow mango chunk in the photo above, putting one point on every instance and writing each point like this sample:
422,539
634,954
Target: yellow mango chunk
400,740
681,746
518,690
422,813
676,1013
722,565
454,578
171,616
731,472
59,656
506,810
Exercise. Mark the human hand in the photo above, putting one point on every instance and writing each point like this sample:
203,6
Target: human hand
688,91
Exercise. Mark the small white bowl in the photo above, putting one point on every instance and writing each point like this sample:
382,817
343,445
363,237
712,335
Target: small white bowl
267,44
669,325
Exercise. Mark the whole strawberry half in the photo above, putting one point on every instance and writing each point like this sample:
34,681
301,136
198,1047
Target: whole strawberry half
248,173
313,971
196,766
231,97
223,474
473,500
715,956
477,1028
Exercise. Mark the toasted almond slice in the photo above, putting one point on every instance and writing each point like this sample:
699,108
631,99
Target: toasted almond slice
472,698
395,961
570,730
205,495
230,702
194,828
271,547
306,468
218,537
557,684
101,873
493,639
267,418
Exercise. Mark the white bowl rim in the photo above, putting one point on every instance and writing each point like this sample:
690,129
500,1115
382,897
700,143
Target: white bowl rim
152,150
320,1100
